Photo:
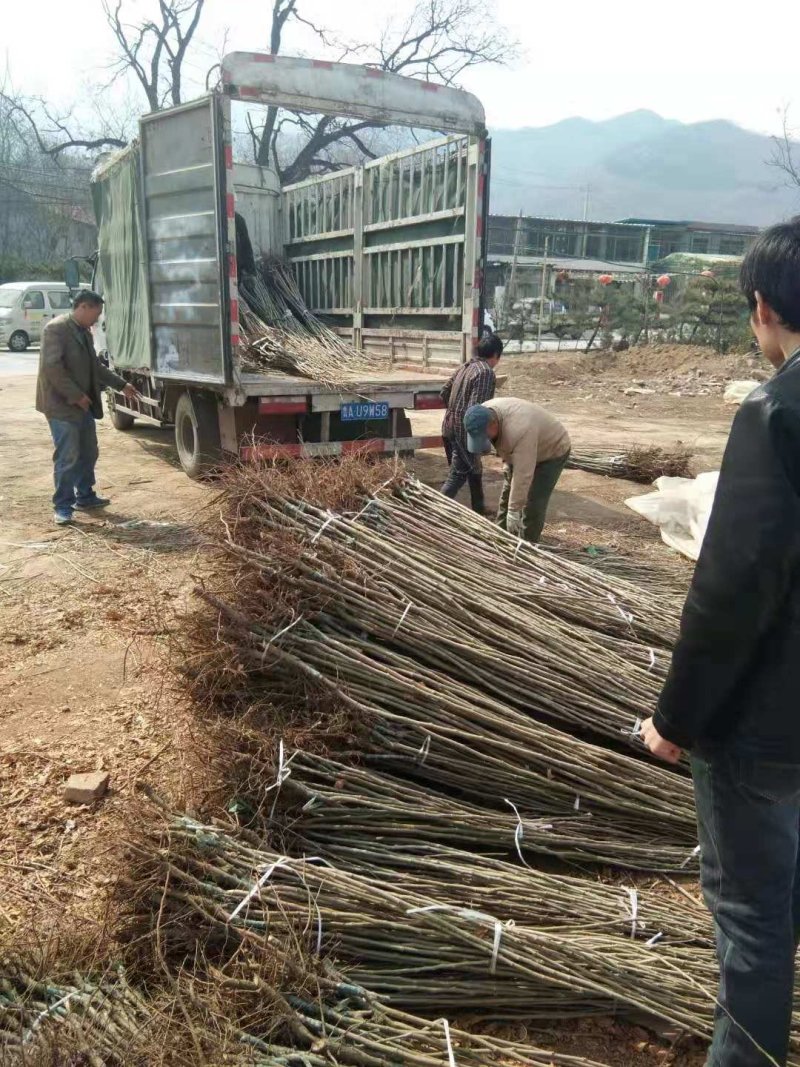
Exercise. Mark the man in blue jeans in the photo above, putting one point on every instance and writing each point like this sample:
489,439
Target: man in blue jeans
732,698
69,393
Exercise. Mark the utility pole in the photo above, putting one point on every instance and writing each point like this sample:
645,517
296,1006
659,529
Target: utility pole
512,278
542,293
586,192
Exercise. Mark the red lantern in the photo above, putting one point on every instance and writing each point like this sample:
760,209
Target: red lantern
606,279
658,296
663,281
707,274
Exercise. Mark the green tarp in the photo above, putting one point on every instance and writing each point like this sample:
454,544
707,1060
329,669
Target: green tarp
122,276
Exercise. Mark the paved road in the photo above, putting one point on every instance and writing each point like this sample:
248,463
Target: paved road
14,363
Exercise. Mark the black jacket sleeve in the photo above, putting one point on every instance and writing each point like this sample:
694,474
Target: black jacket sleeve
744,572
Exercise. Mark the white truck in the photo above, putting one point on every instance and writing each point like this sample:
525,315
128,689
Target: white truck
390,254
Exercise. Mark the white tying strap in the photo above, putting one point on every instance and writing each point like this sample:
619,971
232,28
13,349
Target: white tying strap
451,1060
331,518
282,861
474,916
519,546
319,929
626,615
284,770
280,633
48,1011
695,852
635,730
577,805
425,748
519,831
652,660
634,909
402,618
654,939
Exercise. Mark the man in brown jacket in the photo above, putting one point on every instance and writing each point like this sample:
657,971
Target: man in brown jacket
69,393
534,447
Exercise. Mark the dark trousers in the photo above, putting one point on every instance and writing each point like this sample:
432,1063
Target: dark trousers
464,467
74,460
748,813
544,482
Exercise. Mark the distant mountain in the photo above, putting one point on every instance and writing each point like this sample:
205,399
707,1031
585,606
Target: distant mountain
639,164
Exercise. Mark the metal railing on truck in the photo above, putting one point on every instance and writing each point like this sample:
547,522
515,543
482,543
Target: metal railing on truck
392,251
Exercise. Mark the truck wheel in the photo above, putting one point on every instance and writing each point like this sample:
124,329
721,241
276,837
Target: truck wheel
18,341
120,420
197,434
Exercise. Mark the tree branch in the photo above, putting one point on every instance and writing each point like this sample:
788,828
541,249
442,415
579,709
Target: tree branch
54,148
783,154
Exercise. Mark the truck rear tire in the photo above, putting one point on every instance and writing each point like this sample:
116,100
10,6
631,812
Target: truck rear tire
121,420
197,434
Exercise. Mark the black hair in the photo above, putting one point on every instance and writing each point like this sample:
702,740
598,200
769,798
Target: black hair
489,346
87,296
771,267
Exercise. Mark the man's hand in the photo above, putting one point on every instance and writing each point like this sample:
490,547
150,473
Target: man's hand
658,745
84,403
130,392
514,523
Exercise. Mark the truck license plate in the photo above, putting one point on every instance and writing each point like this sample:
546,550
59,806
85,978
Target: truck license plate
358,412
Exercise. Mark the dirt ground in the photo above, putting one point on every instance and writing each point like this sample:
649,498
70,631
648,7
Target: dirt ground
86,615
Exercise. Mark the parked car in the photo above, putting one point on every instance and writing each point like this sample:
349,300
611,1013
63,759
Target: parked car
26,308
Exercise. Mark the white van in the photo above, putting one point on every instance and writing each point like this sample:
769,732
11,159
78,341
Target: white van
26,308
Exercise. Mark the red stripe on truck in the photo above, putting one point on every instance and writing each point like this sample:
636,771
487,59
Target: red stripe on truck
372,444
228,157
282,405
263,57
229,205
267,450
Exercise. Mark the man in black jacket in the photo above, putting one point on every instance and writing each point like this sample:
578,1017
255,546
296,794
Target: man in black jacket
732,698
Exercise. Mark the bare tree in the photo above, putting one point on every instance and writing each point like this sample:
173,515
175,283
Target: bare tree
53,133
154,50
786,152
437,41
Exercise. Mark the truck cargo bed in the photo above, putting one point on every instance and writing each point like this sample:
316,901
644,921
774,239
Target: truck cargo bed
385,381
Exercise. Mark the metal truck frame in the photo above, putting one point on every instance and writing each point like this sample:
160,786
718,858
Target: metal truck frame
391,253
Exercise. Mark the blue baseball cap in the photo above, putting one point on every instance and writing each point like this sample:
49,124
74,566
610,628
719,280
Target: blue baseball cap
476,423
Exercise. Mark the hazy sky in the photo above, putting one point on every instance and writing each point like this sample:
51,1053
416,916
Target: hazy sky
685,59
